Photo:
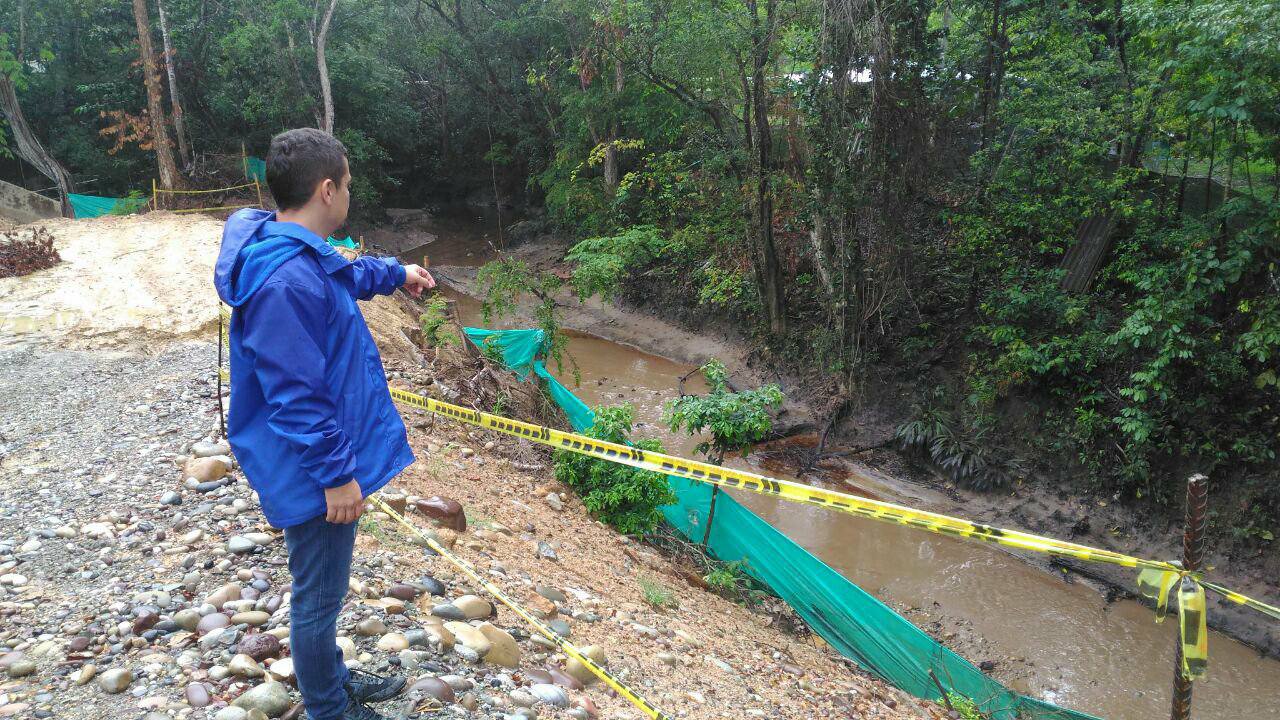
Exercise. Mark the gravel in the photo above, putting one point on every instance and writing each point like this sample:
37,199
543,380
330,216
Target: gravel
119,577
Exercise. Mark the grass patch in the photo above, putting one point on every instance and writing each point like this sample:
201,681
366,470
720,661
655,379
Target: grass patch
657,594
370,526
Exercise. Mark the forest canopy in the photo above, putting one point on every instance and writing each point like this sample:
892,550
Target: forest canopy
1057,223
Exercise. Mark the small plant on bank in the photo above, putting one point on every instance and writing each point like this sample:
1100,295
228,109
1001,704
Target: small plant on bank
964,454
730,580
501,403
657,594
506,282
735,420
369,525
435,323
626,498
966,708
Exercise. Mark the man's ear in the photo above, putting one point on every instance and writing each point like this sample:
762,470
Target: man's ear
328,190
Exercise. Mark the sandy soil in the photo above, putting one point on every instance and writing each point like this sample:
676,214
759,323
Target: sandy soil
125,283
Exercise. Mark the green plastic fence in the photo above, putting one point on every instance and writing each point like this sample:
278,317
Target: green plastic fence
522,352
854,622
255,168
91,206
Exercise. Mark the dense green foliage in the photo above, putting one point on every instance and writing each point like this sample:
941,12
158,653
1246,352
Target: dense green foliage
1057,224
626,498
734,420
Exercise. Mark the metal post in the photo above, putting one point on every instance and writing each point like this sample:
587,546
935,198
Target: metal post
1192,557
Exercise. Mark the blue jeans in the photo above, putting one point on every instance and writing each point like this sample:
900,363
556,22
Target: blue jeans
320,562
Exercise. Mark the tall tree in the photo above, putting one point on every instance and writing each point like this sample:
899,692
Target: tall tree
685,50
29,146
155,99
322,65
759,134
179,128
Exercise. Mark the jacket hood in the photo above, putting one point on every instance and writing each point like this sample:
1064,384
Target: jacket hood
248,255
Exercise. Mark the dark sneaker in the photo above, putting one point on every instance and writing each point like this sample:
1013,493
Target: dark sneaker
365,687
359,711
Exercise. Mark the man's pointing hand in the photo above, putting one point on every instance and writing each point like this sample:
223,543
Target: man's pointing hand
416,279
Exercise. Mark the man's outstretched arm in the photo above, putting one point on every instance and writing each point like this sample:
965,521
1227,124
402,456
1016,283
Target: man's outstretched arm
381,276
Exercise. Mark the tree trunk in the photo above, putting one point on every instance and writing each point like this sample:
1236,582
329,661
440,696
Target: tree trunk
444,110
184,150
297,75
22,31
323,66
611,150
155,104
989,81
768,269
28,145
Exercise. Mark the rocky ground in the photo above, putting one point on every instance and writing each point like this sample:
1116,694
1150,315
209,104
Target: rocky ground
139,579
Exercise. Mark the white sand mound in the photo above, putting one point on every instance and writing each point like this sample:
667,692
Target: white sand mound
129,283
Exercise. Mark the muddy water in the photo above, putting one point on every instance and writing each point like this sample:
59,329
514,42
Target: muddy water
1069,646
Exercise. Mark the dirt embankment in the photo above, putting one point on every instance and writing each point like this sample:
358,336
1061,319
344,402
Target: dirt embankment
699,656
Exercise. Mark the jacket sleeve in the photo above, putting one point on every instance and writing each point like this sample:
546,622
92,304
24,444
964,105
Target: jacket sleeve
284,331
375,276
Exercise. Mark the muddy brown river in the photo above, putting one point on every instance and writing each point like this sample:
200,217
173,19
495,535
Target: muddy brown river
1072,647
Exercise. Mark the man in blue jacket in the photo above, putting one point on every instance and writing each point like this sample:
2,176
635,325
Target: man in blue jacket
311,420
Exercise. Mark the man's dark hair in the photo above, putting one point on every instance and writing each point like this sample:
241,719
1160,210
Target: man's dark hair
298,161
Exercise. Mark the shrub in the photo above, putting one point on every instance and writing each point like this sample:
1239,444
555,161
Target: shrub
435,323
736,421
624,497
964,453
22,254
603,262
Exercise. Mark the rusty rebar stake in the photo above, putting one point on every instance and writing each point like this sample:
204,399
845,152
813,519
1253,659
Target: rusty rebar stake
1192,557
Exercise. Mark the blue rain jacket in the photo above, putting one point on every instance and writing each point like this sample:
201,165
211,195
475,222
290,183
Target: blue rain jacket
310,407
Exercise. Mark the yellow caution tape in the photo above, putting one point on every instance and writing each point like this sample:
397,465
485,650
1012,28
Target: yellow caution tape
1192,615
787,490
1194,627
1245,600
1155,584
205,192
543,629
806,494
211,209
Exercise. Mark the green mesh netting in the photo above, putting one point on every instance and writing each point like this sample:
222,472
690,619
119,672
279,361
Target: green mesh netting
522,352
91,206
255,169
854,622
